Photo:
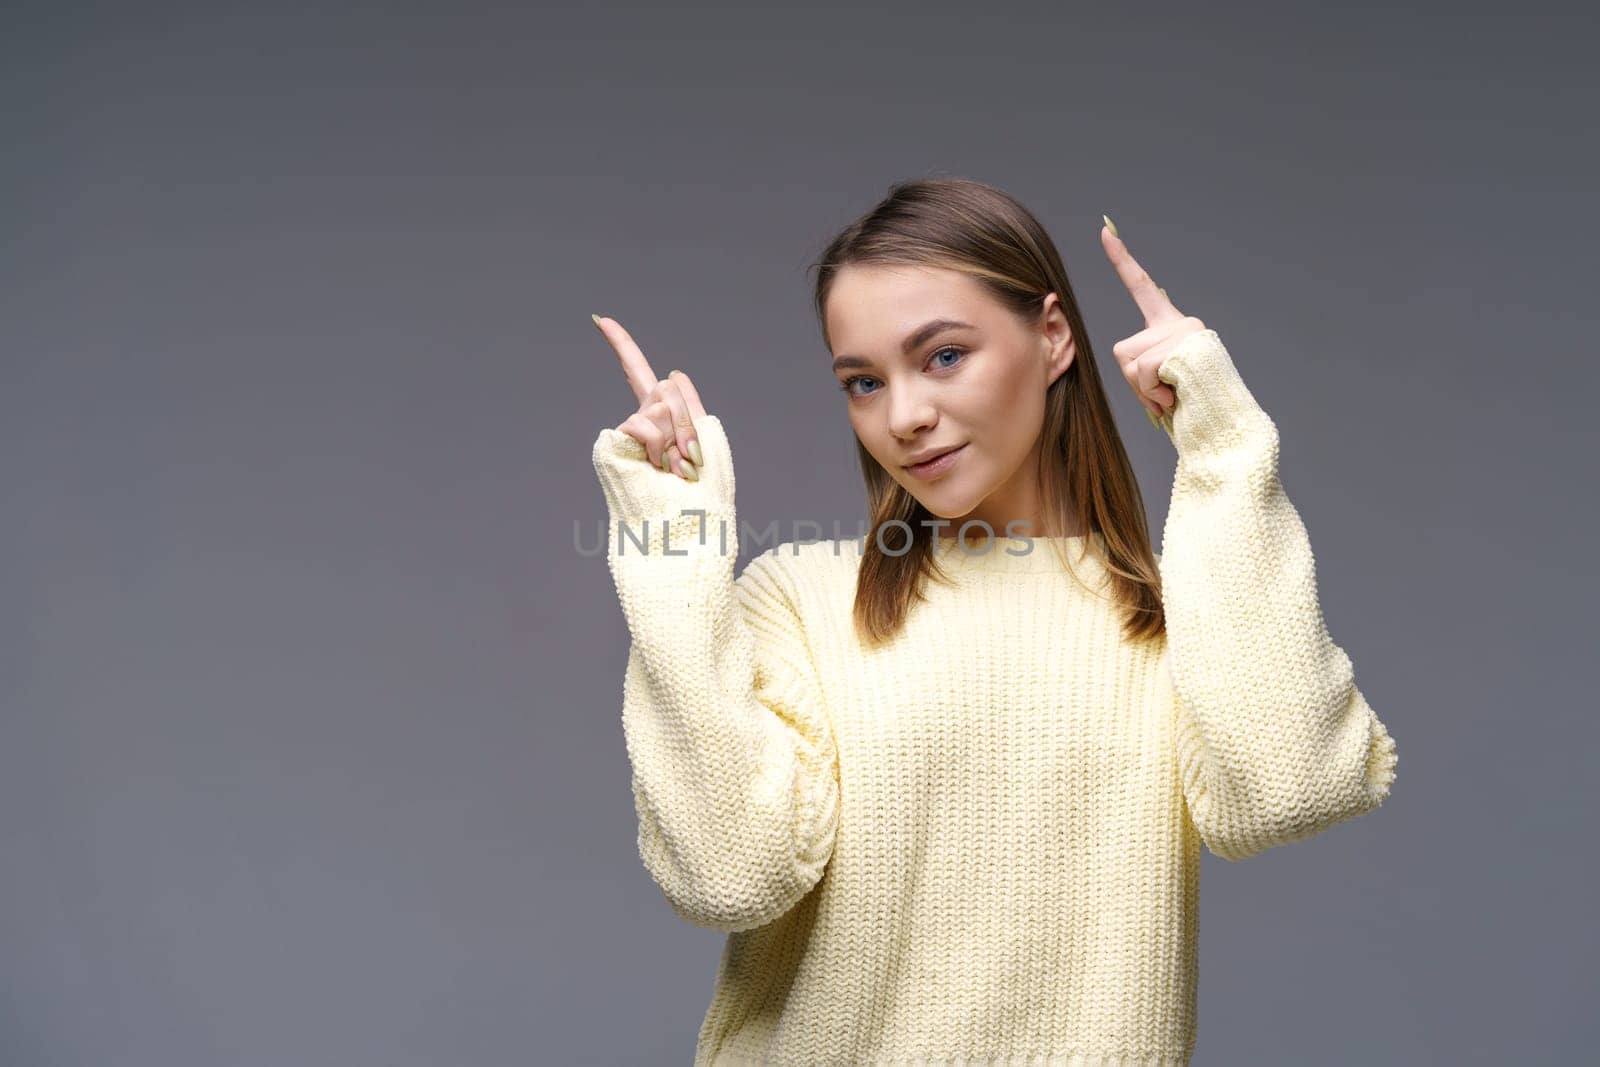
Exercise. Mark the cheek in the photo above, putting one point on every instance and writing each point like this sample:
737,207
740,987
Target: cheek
876,442
1006,429
1008,411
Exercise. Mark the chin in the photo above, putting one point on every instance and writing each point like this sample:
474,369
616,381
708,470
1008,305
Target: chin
945,502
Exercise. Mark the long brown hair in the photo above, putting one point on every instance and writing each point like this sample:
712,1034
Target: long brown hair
1084,474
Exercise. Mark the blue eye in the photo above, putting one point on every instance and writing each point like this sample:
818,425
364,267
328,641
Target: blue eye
848,384
854,378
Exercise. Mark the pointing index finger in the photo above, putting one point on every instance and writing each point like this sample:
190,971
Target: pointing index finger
1151,298
641,379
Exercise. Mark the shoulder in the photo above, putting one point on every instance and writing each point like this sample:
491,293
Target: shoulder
796,567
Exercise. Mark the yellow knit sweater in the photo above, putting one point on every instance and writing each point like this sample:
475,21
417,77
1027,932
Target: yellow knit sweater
979,845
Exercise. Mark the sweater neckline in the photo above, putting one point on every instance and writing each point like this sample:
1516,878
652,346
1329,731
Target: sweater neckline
1027,555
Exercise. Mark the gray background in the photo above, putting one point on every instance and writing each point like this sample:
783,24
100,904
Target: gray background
311,750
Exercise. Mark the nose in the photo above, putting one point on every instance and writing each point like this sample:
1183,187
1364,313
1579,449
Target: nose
910,413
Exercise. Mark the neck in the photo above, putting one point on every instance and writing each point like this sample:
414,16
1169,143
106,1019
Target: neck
1017,530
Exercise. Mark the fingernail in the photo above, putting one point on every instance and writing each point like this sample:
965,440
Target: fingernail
595,317
1151,416
694,452
666,458
1111,226
688,471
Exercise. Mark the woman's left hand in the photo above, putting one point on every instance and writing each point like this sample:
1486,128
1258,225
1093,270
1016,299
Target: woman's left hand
1142,354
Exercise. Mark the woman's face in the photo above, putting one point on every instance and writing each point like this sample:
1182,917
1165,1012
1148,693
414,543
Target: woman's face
930,362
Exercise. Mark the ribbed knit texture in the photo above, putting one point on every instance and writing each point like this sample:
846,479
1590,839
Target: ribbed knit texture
979,845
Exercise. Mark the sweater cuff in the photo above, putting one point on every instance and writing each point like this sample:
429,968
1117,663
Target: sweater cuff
1213,405
636,490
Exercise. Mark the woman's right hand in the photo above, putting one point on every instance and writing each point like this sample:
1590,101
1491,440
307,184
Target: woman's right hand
664,423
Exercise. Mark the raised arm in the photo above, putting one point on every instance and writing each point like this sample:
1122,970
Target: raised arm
1275,741
734,766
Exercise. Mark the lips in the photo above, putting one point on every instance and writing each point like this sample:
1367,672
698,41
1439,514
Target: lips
933,456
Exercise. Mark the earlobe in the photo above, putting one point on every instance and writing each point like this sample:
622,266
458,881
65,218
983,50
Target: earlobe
1069,354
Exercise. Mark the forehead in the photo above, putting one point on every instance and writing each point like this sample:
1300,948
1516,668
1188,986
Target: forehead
870,308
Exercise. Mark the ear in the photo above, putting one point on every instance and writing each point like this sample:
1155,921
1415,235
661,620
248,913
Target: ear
1060,348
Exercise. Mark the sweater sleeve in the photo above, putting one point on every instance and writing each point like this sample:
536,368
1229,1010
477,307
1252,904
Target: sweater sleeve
734,764
1275,742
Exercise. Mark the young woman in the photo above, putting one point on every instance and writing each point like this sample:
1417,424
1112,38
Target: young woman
945,785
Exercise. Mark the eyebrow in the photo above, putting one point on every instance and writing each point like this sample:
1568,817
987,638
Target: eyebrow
913,339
